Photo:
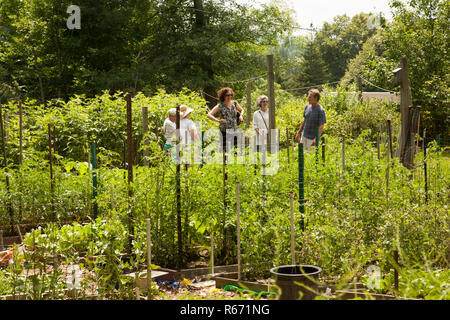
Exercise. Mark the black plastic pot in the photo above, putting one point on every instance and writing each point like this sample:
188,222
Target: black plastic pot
287,277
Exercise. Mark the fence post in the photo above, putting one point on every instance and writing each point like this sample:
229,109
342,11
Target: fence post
271,91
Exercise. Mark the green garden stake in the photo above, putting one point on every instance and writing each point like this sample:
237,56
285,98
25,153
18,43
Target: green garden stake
301,196
94,179
203,146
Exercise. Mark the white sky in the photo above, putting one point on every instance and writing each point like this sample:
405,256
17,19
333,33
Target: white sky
319,11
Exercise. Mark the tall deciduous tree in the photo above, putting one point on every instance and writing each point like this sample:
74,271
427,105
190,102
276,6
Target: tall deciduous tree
419,32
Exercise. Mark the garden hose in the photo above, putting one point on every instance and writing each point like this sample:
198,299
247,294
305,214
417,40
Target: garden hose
236,288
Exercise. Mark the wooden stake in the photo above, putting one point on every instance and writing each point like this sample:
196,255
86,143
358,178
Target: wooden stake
130,171
291,199
396,270
323,150
149,261
249,103
145,133
178,195
5,164
425,164
238,227
212,250
343,156
271,91
391,150
20,132
288,145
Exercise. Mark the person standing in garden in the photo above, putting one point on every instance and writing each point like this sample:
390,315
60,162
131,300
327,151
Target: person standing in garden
229,119
169,129
188,130
314,117
261,122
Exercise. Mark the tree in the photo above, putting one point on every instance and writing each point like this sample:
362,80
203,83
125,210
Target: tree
313,70
419,32
340,41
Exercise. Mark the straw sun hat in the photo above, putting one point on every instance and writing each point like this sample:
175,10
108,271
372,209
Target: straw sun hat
184,111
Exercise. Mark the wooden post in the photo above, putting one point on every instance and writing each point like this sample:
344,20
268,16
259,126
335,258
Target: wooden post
301,189
149,261
401,78
388,125
5,164
343,155
238,228
20,165
145,133
360,88
51,170
396,270
178,195
212,249
94,179
249,104
288,145
378,144
20,132
323,150
271,91
125,166
387,174
425,164
130,171
291,199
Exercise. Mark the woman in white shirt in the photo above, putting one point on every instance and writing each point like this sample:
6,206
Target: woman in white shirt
188,130
169,129
261,121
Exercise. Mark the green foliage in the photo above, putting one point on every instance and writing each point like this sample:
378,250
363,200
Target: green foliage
419,32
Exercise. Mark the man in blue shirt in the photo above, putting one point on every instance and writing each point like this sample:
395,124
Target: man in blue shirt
314,117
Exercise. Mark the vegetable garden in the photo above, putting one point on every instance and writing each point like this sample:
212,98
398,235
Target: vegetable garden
362,207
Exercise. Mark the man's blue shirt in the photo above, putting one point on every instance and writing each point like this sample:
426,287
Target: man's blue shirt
314,118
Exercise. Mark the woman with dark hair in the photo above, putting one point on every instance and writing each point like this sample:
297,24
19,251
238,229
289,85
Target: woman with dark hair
228,110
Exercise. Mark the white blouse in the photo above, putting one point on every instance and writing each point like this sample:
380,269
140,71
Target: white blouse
261,125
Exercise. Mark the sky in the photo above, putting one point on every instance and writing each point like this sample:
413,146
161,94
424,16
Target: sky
319,11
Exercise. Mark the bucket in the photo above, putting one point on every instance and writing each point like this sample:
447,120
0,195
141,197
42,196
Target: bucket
286,276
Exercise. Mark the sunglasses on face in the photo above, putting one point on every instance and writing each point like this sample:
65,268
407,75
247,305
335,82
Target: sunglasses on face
264,101
228,95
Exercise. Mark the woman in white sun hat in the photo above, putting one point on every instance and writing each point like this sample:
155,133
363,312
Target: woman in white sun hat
188,130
